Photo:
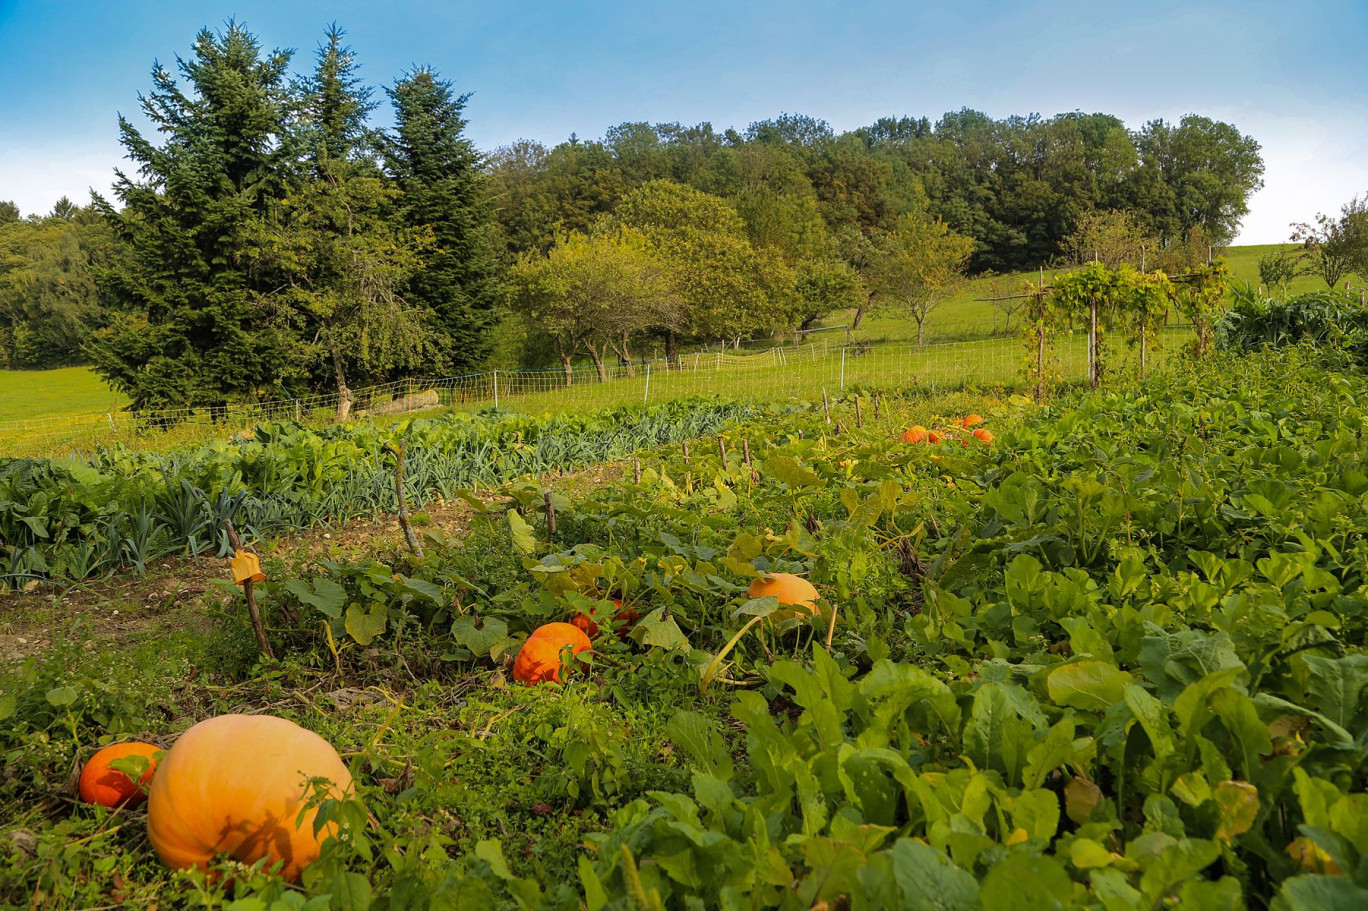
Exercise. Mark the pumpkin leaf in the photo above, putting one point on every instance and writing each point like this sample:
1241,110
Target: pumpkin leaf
324,595
523,538
364,625
658,630
1094,685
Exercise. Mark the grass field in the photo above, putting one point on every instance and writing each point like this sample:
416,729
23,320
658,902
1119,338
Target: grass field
75,390
44,393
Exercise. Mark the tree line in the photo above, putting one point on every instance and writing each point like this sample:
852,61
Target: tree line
270,239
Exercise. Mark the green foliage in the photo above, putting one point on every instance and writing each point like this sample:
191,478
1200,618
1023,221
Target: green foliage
437,169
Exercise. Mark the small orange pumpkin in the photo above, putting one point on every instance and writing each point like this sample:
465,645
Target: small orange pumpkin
984,434
971,420
539,659
914,434
935,438
111,788
792,591
235,785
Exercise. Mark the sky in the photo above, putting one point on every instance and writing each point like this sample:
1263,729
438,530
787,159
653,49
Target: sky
1289,74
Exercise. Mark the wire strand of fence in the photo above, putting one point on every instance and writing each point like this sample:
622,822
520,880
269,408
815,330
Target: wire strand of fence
773,374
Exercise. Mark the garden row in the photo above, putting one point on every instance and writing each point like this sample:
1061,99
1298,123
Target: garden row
1112,659
66,520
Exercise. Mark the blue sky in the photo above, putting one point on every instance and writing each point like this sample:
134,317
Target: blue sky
1290,74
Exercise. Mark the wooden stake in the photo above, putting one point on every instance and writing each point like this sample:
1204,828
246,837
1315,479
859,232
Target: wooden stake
637,469
876,407
826,407
247,589
745,451
550,514
859,416
686,450
722,450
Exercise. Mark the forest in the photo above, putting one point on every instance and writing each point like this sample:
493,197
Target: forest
284,226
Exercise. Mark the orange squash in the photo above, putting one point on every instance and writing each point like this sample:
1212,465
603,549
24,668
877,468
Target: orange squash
971,420
111,788
935,438
792,591
914,434
235,785
539,659
984,434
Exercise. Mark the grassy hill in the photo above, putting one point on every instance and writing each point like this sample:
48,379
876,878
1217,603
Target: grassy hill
75,390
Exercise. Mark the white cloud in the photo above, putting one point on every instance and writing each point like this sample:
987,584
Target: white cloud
35,178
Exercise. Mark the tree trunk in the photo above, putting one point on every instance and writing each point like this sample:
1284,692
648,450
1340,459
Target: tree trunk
920,339
344,393
597,357
671,350
569,371
859,315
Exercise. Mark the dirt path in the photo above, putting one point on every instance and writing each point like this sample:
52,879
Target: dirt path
122,607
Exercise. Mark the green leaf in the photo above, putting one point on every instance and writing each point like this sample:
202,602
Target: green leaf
786,470
364,625
325,595
523,538
1092,685
1336,686
660,631
929,881
1024,882
480,638
63,696
350,892
697,735
1320,893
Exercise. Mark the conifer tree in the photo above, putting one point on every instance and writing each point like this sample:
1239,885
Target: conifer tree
438,170
189,329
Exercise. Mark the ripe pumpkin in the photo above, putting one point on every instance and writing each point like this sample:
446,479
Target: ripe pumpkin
984,434
623,617
235,785
793,591
109,787
914,434
971,420
935,438
539,659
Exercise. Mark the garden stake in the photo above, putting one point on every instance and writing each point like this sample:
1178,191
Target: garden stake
859,416
686,450
876,407
637,468
550,515
722,450
826,407
409,536
247,589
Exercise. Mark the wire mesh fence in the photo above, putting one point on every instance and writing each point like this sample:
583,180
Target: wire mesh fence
773,374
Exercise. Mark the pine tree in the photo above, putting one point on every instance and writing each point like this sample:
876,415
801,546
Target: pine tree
342,244
190,329
438,170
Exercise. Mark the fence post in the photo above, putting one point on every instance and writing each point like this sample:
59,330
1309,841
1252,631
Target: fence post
496,389
647,394
719,359
843,355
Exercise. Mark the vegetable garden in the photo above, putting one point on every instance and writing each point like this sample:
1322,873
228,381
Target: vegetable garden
1105,654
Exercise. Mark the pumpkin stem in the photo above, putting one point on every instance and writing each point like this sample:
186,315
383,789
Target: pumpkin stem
710,672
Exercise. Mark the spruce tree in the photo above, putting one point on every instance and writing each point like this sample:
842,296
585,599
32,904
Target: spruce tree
342,245
438,170
189,328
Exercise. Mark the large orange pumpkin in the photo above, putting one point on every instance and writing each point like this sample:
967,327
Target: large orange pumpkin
235,785
984,434
539,659
792,591
109,787
972,420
